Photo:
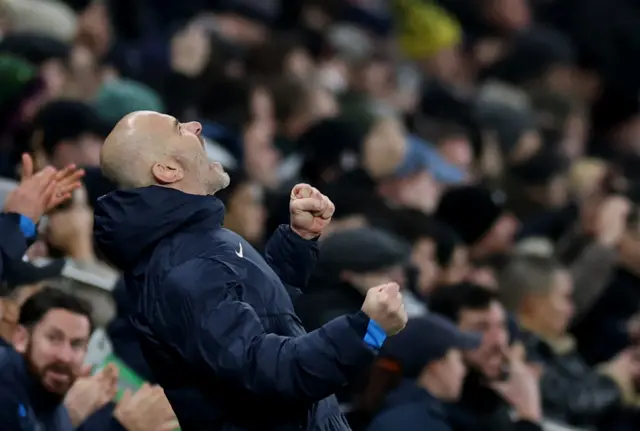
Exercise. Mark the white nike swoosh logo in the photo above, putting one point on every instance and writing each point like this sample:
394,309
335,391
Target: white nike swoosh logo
239,251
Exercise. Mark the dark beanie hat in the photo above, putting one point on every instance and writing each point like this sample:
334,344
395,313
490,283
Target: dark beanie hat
540,169
471,211
327,142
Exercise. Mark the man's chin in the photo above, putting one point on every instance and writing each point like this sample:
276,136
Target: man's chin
223,182
57,386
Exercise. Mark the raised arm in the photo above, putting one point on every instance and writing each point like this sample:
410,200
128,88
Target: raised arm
223,337
292,251
292,257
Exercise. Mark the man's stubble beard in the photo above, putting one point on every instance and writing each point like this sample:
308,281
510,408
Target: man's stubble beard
40,373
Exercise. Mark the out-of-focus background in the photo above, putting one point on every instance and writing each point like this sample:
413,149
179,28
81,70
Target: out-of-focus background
484,154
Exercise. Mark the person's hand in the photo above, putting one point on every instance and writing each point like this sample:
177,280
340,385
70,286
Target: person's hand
66,181
190,51
610,221
521,390
625,367
310,210
70,229
41,192
384,305
89,394
146,410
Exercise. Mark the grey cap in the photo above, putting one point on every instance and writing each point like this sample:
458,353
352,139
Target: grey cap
361,250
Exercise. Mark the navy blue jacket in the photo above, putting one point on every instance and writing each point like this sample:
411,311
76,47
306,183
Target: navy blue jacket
215,320
410,408
24,403
13,244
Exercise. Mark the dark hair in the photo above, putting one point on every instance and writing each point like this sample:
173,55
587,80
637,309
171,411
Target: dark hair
290,96
227,101
47,299
414,225
450,301
269,59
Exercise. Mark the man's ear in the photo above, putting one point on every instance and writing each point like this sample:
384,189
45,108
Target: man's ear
20,339
167,172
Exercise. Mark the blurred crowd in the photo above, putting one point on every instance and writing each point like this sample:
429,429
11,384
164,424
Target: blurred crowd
483,154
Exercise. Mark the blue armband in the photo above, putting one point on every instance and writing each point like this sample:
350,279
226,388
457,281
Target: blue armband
375,335
27,226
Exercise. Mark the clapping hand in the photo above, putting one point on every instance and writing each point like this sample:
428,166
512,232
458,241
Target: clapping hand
39,193
90,394
146,410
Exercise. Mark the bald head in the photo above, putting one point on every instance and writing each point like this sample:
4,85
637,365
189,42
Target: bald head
148,148
128,153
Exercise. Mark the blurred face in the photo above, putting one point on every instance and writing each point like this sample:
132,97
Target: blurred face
418,191
446,64
449,373
53,73
528,145
262,109
324,104
423,258
85,151
261,158
508,14
84,75
246,212
484,276
499,239
55,348
553,312
491,323
384,148
457,150
558,192
575,136
299,64
457,269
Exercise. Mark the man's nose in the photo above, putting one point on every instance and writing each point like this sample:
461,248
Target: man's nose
64,354
194,127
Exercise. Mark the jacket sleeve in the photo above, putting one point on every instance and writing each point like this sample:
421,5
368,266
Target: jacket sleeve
591,272
15,413
205,319
410,417
523,425
13,243
102,420
583,400
291,257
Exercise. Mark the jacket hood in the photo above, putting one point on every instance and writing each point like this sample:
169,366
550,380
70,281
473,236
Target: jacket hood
128,223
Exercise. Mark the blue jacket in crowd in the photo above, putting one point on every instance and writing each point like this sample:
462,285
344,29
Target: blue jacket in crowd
411,408
14,231
216,321
24,403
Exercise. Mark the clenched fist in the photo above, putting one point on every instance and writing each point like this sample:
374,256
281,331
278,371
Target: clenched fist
384,305
310,210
